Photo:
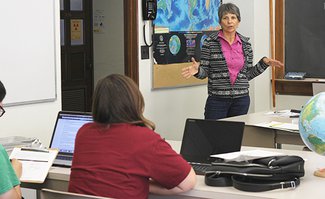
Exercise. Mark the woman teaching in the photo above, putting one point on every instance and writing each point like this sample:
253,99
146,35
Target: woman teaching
227,61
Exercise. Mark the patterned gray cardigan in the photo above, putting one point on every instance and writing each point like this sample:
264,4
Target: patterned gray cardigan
213,65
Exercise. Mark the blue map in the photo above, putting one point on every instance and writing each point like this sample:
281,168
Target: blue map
187,15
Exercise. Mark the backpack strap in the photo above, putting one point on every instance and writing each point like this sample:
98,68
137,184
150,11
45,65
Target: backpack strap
256,185
218,179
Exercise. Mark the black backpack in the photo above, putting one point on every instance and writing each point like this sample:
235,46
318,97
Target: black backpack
258,175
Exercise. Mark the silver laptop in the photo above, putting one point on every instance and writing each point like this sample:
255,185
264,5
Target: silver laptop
203,138
66,127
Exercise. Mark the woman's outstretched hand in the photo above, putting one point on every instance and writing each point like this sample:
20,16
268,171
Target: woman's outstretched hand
191,70
273,62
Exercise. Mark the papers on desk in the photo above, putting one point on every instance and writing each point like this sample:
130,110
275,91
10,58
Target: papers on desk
245,155
279,125
36,163
283,113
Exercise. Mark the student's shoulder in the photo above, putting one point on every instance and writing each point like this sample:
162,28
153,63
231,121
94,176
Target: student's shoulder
88,125
145,132
2,149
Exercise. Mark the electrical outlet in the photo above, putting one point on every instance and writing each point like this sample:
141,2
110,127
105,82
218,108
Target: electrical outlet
144,52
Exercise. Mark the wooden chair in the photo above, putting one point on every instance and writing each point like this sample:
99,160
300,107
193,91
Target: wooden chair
54,194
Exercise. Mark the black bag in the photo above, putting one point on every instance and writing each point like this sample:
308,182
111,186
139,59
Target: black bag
258,175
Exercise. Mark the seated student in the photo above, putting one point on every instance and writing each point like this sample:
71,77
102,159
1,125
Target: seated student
9,183
119,155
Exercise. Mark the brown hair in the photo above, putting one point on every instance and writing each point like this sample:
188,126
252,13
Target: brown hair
117,99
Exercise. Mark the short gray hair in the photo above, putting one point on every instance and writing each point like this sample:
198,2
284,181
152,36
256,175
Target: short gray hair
228,8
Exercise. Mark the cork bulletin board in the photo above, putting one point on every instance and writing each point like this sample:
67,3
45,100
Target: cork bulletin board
169,75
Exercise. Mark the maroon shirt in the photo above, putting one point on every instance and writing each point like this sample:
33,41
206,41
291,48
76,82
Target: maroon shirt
118,161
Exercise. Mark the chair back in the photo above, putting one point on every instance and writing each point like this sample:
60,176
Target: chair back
54,194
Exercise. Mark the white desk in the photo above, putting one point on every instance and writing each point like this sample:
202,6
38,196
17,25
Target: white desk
310,187
266,137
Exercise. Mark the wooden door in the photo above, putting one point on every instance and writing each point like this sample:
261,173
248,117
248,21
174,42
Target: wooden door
76,54
77,59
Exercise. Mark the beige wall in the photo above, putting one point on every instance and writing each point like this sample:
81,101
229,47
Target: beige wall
109,43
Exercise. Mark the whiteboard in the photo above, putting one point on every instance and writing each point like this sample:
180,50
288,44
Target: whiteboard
27,51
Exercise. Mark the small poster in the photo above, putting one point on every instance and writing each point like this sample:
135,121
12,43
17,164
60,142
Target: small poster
76,32
99,17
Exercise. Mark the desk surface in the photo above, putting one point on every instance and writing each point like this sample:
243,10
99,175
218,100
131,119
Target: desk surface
310,187
260,117
266,137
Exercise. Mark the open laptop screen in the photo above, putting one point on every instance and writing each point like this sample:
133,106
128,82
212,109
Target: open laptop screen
203,138
66,128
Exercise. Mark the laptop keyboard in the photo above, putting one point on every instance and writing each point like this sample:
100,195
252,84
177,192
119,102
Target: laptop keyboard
64,157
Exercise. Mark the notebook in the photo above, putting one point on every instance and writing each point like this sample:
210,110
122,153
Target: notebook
203,138
66,127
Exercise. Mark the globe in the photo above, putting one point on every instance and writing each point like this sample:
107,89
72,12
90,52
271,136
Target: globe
174,44
312,123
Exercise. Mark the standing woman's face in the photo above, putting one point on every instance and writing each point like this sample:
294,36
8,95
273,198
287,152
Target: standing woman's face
229,23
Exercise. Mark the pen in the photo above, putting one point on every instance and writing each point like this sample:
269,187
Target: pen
34,150
295,111
32,160
274,125
198,163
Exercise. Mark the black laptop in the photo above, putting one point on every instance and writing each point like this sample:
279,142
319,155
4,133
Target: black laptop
203,138
65,130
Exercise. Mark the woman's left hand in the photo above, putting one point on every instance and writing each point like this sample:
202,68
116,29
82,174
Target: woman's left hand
273,62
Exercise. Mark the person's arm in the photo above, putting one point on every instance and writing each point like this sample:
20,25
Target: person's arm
272,62
187,184
198,69
15,192
16,164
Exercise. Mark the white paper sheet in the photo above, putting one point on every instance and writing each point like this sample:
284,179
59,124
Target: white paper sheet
246,155
35,164
279,125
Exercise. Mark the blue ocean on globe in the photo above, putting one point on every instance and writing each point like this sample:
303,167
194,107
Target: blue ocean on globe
187,15
312,123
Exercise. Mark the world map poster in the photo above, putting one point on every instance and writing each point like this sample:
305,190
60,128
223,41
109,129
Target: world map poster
181,26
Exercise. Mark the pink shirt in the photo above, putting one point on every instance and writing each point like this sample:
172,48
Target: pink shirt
233,54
